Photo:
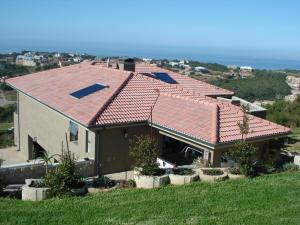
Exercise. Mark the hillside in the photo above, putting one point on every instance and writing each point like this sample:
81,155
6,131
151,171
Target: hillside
273,199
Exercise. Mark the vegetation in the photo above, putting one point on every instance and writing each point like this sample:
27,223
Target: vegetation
244,152
183,171
285,112
61,179
144,151
260,87
290,167
6,113
210,66
235,170
11,70
272,199
212,172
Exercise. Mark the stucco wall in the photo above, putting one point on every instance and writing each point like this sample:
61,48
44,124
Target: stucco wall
114,147
49,128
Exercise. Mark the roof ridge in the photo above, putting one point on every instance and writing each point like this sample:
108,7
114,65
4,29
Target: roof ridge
189,98
215,124
115,94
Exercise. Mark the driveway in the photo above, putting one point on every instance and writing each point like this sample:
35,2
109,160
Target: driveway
12,156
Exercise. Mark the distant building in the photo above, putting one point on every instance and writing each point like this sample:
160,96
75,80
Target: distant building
246,68
173,63
148,60
25,60
200,69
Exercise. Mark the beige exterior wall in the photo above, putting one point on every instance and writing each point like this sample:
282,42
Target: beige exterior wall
114,147
48,127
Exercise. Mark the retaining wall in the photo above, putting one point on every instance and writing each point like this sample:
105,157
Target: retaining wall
16,174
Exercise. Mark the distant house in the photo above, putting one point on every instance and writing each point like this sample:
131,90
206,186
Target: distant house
246,68
101,109
174,63
26,60
200,69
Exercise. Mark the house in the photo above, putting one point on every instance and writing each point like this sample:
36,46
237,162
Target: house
26,60
200,69
246,68
101,109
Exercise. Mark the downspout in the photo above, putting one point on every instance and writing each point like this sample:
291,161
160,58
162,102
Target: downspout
97,154
18,112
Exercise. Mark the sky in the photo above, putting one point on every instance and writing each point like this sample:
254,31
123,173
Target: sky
158,28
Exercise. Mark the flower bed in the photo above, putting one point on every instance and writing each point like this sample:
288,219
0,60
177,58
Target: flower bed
235,173
183,176
34,191
147,182
101,184
212,174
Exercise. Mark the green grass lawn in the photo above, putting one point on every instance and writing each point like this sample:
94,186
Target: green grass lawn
273,199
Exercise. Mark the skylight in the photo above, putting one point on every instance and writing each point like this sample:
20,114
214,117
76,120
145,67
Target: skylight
164,77
88,90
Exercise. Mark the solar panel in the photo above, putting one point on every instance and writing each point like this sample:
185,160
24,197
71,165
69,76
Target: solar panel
88,90
164,77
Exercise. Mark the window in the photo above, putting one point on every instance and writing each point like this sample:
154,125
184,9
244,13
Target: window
88,141
73,128
88,90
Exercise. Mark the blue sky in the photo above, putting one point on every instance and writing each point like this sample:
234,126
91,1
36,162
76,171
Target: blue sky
216,28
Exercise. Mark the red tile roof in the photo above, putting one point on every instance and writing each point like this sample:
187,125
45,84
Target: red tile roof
182,107
53,88
193,85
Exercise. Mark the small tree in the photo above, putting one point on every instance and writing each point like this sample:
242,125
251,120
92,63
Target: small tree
47,160
243,152
144,151
63,177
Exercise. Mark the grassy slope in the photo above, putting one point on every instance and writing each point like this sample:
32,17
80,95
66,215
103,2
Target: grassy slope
271,199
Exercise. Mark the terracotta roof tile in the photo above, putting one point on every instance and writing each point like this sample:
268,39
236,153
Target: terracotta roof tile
184,107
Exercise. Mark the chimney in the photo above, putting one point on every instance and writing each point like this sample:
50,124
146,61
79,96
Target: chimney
108,62
126,64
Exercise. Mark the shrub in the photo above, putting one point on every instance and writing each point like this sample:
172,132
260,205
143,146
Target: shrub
290,167
144,151
199,162
183,171
103,181
235,171
61,179
213,172
243,154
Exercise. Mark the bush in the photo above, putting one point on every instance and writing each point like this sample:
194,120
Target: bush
61,179
144,151
199,162
235,171
290,167
213,172
183,171
103,181
243,153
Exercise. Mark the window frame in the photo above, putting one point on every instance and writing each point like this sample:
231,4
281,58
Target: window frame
72,136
